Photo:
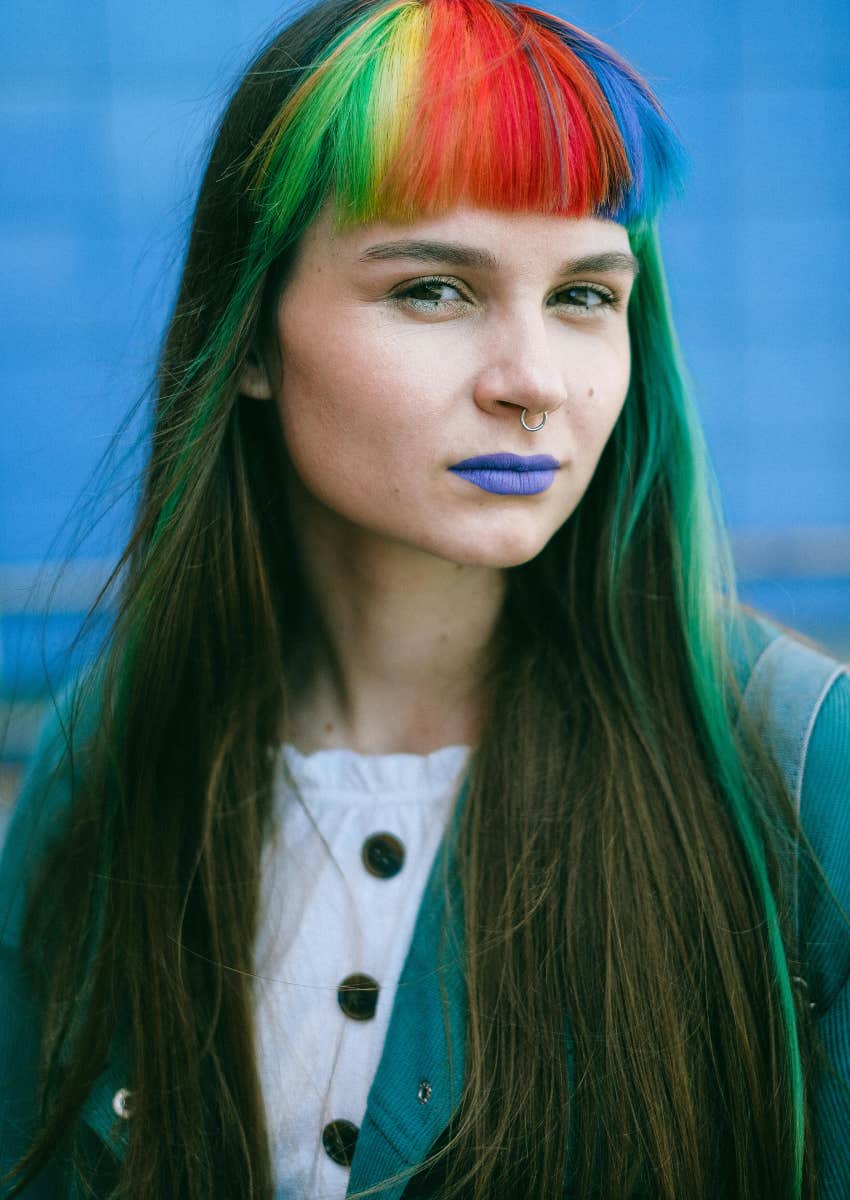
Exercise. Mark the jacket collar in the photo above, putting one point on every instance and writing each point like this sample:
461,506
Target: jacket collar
419,1079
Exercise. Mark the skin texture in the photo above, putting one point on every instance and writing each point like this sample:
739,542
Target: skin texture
379,394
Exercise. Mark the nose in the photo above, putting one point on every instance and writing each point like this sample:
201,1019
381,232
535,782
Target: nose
520,370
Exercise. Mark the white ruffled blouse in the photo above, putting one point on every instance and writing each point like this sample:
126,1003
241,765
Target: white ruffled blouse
331,911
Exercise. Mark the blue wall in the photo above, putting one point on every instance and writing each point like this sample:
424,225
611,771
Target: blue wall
105,106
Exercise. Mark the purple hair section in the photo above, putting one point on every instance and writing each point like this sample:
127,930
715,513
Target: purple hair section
655,153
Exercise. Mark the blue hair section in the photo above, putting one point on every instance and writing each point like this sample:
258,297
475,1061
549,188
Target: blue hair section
656,156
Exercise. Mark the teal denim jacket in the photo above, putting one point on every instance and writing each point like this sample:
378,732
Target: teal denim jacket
805,701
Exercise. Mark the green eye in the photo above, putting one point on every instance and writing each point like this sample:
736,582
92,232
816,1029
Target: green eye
584,297
429,294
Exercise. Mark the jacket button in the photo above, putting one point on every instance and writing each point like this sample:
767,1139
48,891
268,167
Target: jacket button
339,1139
358,997
424,1092
121,1103
383,855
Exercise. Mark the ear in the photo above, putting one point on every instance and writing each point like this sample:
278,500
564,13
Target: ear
254,380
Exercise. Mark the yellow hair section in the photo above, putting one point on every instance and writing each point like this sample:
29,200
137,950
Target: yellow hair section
395,94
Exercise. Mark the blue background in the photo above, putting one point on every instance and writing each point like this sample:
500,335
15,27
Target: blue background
105,110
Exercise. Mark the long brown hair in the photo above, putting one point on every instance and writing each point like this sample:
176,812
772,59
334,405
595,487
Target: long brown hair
623,849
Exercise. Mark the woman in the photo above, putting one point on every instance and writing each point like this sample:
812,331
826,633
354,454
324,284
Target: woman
425,568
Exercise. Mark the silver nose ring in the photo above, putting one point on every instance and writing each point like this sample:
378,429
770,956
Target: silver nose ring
531,428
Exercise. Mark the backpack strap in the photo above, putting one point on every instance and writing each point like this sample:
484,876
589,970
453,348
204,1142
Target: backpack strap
785,691
787,686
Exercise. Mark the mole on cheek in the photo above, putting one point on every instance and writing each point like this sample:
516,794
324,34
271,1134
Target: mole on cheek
590,391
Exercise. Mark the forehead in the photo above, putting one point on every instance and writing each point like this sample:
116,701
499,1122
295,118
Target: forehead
503,238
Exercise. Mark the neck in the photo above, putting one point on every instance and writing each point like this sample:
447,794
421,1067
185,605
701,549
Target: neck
402,645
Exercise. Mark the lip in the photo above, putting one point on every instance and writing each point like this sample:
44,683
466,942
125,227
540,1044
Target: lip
509,474
508,462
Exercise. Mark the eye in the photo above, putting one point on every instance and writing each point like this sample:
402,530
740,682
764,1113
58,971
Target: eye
428,295
585,298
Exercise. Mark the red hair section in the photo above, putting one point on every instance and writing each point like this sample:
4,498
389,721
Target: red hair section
506,117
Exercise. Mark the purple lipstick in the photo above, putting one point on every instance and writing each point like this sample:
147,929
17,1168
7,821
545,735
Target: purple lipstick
509,474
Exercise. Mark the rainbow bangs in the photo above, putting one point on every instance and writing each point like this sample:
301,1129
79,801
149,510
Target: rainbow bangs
421,105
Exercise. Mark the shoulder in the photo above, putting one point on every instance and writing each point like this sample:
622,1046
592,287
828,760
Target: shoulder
800,697
825,818
43,803
825,784
42,798
40,815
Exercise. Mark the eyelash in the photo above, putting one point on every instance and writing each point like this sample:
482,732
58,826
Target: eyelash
607,298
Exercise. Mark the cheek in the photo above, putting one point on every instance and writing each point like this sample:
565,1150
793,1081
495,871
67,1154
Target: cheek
339,408
314,420
355,384
598,395
319,398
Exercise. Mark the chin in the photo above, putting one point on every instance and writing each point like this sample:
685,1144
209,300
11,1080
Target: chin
499,551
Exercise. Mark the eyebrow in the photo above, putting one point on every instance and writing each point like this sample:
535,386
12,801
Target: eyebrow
470,256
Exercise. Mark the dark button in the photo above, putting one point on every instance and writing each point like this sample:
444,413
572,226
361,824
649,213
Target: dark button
383,855
339,1139
358,997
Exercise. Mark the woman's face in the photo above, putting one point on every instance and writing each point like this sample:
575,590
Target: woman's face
405,350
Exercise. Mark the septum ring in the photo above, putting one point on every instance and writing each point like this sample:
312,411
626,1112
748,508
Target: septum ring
531,428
